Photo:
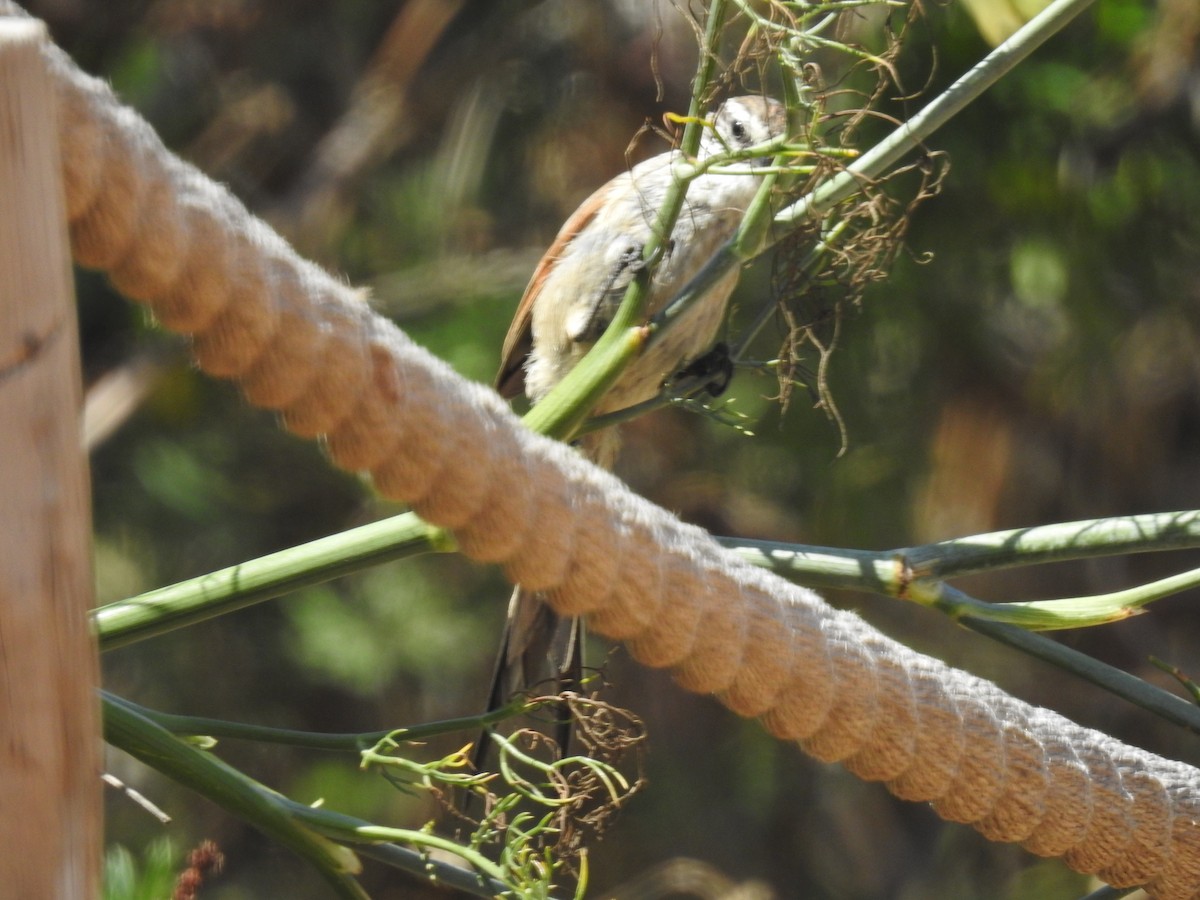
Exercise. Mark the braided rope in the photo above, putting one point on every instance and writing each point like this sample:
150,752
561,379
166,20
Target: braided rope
300,342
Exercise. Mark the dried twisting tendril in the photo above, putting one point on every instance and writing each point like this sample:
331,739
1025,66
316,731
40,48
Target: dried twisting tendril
539,810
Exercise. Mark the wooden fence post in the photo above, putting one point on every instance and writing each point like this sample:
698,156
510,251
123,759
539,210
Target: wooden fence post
50,803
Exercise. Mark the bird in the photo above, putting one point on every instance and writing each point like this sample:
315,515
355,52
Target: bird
572,296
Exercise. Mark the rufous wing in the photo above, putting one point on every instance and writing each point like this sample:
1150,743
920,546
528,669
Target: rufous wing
518,343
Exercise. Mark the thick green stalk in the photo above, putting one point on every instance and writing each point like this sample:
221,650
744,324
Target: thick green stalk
176,606
125,729
313,833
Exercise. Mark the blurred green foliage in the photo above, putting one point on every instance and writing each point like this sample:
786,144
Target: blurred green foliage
152,879
1040,366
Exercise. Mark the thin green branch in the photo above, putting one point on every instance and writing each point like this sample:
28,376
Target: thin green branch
909,136
1101,609
886,571
352,742
714,25
1128,687
340,827
566,407
683,388
813,10
1034,615
1180,676
433,870
188,602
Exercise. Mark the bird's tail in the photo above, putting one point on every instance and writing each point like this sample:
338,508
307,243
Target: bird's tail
540,651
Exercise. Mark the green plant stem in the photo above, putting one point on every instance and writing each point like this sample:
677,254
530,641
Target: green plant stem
348,829
354,742
751,234
880,158
684,387
1128,687
1061,612
1180,676
885,571
1053,543
436,872
562,412
188,602
877,571
705,66
267,811
564,409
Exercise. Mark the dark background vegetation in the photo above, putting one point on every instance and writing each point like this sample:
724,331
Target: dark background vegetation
1040,367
